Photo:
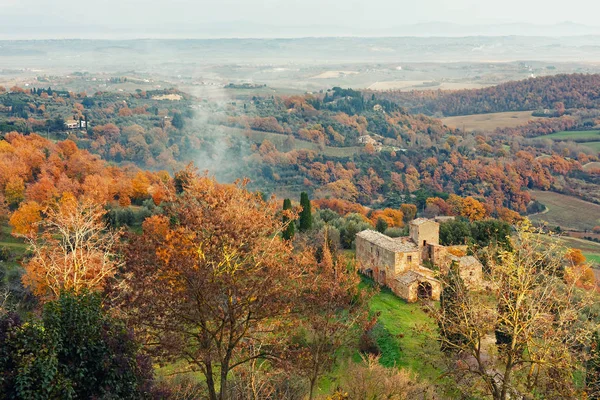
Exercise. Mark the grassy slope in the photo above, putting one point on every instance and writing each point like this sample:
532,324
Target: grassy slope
593,145
7,240
404,321
593,258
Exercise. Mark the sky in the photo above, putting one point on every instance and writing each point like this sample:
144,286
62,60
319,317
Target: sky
251,18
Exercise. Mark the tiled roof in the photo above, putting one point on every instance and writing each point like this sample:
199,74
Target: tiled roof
411,276
401,244
420,221
465,261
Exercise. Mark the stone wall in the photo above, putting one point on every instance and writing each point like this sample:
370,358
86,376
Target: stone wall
410,292
407,261
425,233
471,274
382,262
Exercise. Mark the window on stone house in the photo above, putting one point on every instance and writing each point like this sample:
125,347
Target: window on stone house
409,259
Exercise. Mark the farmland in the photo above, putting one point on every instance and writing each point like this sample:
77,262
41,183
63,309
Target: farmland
489,122
576,136
590,139
568,212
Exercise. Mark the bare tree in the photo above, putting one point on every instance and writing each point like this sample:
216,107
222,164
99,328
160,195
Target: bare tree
528,334
72,248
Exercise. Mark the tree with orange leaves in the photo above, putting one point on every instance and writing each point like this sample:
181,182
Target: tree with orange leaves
26,219
212,279
72,247
393,218
473,209
467,207
14,192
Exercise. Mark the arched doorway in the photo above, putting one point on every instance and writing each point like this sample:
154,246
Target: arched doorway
424,291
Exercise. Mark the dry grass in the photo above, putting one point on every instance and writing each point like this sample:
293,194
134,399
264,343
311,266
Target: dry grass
591,166
334,74
489,122
172,97
424,85
568,212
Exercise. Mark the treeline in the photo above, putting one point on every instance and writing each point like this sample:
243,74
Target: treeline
214,283
336,118
571,90
142,127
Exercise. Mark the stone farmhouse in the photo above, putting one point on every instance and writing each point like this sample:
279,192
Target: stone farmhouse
399,263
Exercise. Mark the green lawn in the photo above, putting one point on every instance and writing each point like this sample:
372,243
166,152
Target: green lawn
414,331
589,139
405,337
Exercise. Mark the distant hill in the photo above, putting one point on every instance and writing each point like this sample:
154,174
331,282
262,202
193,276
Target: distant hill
52,28
573,90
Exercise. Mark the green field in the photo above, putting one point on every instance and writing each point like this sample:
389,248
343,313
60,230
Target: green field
590,139
568,212
7,240
593,145
591,250
575,136
409,340
593,258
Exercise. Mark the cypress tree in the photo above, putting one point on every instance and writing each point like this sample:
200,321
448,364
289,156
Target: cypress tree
381,225
453,296
305,214
592,378
290,229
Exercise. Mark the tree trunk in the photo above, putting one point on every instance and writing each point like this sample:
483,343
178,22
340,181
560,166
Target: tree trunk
224,372
210,382
313,383
505,382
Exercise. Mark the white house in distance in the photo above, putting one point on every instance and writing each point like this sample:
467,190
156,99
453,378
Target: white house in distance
75,124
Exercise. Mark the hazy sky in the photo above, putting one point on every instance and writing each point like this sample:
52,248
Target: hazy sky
354,16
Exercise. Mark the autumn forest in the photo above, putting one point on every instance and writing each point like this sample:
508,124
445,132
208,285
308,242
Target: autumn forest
159,243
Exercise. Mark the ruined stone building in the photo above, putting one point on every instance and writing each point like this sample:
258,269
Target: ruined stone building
402,263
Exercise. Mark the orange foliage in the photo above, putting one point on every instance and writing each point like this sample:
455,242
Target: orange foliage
574,257
14,191
393,218
26,219
340,206
512,217
73,249
582,275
